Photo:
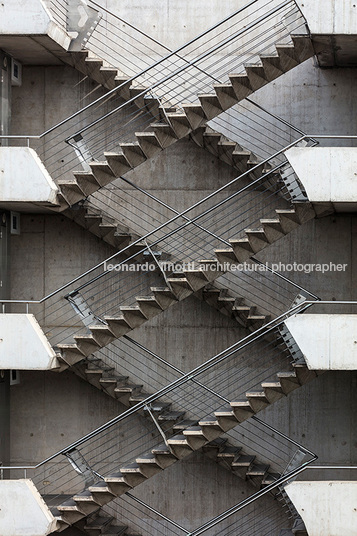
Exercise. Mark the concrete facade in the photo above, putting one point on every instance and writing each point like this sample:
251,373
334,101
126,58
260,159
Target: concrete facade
326,517
326,341
51,410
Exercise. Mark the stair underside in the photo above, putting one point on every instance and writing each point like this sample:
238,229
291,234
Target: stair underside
178,123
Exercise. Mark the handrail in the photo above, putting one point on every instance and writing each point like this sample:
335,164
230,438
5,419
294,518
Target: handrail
221,356
195,205
177,71
155,64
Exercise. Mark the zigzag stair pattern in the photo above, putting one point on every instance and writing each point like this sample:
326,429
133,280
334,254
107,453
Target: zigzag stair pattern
104,227
235,308
183,120
120,237
189,437
238,157
185,284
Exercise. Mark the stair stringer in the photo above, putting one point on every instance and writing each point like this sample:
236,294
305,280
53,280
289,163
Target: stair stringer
192,280
180,446
181,122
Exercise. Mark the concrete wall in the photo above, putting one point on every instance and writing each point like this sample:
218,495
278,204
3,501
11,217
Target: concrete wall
340,16
334,512
5,417
321,414
327,341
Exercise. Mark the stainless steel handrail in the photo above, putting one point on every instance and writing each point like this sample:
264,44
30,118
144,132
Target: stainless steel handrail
267,328
184,212
155,64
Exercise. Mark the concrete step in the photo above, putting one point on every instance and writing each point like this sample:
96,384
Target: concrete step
133,153
256,74
149,143
180,446
164,133
96,526
210,104
180,122
242,464
101,493
86,502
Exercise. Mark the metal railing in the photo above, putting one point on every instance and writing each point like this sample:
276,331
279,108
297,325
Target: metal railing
187,378
58,10
99,119
186,239
123,438
180,234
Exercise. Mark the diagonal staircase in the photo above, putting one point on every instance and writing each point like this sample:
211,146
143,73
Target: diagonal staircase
187,118
185,284
190,437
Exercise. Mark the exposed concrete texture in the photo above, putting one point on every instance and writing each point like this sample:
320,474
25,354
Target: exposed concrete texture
5,417
34,31
15,19
23,345
327,341
30,181
23,511
339,16
328,174
321,415
326,507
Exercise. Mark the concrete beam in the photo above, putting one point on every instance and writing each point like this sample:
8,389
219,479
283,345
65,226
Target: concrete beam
326,507
23,511
328,174
328,342
23,345
334,33
24,179
32,21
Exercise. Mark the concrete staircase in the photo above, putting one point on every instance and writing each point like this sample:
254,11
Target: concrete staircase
241,463
184,284
104,227
189,437
96,524
174,123
235,308
239,158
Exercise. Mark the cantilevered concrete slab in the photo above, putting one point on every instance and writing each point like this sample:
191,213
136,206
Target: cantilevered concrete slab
29,32
23,511
333,23
328,508
25,182
328,174
23,345
328,342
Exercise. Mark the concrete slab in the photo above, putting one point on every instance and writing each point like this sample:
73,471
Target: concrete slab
23,345
327,341
329,174
23,511
334,513
25,179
